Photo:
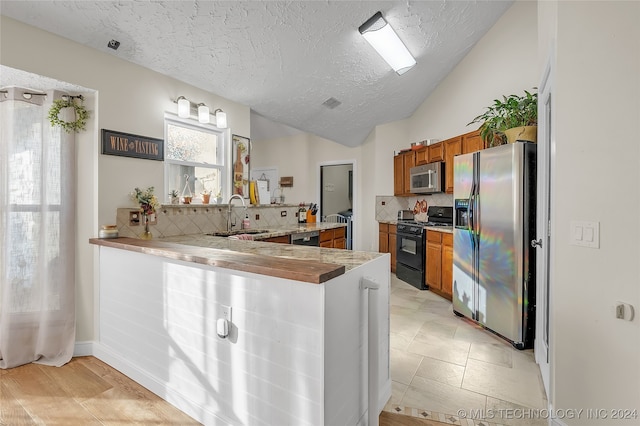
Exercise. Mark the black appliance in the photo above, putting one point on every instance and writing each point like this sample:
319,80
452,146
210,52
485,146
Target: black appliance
440,216
411,245
308,238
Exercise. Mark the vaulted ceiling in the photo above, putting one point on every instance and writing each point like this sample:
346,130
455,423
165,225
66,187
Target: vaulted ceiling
281,59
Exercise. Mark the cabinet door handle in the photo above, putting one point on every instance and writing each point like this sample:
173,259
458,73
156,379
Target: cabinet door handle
536,243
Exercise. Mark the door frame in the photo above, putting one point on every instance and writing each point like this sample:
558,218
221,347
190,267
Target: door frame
543,348
354,195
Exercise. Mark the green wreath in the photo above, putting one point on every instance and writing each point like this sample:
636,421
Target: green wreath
69,126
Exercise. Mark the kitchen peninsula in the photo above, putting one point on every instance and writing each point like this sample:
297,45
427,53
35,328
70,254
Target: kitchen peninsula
301,324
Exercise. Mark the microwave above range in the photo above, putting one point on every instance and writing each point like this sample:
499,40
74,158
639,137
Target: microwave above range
427,179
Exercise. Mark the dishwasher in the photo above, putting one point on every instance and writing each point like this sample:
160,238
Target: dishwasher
307,238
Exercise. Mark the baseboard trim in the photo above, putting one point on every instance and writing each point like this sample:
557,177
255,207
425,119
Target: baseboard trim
83,348
198,412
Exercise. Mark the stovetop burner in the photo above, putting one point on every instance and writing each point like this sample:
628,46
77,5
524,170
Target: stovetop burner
437,224
430,223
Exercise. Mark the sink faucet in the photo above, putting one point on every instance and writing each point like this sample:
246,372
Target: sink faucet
238,196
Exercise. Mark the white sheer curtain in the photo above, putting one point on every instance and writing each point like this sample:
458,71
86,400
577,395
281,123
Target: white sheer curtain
37,233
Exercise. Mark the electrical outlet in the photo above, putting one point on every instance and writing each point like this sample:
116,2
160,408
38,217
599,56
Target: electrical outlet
624,311
226,312
283,213
620,311
134,218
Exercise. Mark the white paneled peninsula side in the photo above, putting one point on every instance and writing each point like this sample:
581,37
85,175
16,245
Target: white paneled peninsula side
308,342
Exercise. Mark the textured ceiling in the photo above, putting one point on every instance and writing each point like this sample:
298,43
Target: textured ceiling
281,59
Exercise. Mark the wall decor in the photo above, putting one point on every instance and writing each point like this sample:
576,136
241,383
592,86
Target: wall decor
128,145
240,150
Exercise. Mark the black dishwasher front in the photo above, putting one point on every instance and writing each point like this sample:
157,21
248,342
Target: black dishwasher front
307,238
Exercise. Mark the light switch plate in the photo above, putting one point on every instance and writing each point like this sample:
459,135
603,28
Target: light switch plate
585,233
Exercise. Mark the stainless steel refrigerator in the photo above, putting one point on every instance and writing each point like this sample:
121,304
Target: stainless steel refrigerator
494,222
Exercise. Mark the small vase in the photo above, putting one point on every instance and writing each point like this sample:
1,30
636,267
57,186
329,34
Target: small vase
146,235
205,198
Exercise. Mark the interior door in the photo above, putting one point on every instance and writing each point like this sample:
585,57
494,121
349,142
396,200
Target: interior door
546,137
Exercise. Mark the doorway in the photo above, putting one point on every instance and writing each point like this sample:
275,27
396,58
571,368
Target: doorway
337,193
546,142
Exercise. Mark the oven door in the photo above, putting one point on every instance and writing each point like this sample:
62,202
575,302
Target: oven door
410,250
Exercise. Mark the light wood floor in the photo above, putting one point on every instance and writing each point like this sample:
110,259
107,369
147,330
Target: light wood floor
87,391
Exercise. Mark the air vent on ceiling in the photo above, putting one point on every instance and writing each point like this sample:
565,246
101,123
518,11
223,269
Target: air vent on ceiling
331,103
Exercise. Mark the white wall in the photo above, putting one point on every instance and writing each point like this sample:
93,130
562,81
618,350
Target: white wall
129,98
335,189
503,62
595,356
478,79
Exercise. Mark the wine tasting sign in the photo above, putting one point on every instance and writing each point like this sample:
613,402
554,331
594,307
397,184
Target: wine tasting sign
128,145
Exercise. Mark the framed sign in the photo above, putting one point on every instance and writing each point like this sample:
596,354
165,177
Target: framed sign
128,145
240,150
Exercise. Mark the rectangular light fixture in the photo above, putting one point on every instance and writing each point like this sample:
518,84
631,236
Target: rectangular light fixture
384,39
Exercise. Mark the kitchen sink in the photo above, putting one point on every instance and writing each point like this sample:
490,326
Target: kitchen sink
238,232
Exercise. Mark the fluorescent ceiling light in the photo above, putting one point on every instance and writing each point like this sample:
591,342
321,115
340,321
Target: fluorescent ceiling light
384,39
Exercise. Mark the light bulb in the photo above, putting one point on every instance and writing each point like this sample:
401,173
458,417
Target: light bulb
221,119
184,107
203,113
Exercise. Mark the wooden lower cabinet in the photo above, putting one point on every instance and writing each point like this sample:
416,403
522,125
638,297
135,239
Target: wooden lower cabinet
339,238
439,263
284,239
387,241
333,238
433,262
392,246
447,265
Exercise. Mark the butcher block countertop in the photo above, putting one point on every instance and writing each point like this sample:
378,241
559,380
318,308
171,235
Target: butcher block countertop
301,263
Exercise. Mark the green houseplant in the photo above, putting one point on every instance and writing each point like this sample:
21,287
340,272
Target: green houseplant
512,118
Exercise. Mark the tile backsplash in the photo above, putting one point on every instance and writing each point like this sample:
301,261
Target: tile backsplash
172,220
387,206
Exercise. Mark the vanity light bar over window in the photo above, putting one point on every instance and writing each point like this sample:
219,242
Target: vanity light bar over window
184,111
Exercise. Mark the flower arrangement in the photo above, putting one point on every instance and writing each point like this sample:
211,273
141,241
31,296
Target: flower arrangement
148,202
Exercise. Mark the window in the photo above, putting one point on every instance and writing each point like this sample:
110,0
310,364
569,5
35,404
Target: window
197,151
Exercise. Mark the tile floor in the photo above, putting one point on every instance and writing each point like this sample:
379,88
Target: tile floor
441,364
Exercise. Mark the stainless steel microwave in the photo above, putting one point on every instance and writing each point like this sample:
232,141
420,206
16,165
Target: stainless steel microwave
427,179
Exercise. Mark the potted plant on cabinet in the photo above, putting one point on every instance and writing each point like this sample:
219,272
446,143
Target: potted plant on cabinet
173,196
510,119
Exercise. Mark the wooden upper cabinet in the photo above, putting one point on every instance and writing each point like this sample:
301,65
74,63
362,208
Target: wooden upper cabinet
422,156
436,152
472,142
409,162
398,175
401,165
452,147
